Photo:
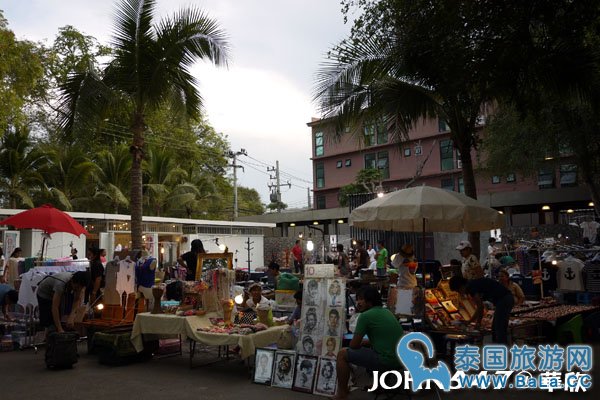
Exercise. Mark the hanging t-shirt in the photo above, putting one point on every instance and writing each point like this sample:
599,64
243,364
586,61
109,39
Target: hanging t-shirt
590,229
570,275
549,277
592,274
126,277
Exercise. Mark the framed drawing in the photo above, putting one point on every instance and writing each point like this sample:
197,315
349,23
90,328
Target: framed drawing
331,346
263,366
210,261
312,293
334,321
304,376
283,369
308,345
326,383
310,321
335,293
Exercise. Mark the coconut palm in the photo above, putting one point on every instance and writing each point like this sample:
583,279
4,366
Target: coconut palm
68,176
112,177
162,176
20,165
151,67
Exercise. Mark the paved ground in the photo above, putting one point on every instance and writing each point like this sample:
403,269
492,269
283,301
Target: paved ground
23,376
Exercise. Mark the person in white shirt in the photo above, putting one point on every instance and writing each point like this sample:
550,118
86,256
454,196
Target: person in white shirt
256,297
371,251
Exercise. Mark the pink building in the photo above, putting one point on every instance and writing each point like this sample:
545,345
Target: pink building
337,162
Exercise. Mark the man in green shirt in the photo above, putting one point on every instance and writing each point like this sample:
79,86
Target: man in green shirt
382,258
383,331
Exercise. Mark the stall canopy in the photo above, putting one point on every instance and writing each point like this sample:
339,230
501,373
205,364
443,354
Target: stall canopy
426,209
46,218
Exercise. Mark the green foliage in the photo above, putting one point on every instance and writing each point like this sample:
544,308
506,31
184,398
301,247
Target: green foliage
21,73
276,205
348,190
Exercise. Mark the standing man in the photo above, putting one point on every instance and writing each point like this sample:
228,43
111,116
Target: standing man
297,253
363,259
384,332
190,259
382,258
487,289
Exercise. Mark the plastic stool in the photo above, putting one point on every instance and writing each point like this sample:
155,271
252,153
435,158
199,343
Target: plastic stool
570,330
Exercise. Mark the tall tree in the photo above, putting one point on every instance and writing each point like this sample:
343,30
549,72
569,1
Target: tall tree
408,60
20,165
112,177
150,67
21,73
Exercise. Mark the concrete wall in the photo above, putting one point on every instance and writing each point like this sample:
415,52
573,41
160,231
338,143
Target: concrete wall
57,247
236,245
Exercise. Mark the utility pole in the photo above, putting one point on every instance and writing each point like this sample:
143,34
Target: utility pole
276,195
234,165
248,242
308,196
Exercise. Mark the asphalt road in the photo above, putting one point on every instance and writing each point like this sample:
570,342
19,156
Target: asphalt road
23,376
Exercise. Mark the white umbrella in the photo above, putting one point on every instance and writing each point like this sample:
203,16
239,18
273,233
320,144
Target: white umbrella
426,209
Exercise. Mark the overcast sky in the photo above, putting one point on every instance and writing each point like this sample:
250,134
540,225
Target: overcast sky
262,101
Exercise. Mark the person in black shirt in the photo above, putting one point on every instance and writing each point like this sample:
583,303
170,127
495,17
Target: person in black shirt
190,259
96,275
489,290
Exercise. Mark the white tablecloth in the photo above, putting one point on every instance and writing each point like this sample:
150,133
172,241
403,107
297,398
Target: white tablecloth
168,324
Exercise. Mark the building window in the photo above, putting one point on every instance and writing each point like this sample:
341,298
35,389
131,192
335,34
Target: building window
369,132
568,175
418,150
370,161
320,172
407,152
383,163
319,144
321,203
546,178
446,155
442,125
495,179
348,162
511,178
461,185
382,135
448,184
338,164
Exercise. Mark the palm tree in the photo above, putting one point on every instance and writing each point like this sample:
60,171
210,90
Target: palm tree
162,176
112,177
150,67
68,176
20,165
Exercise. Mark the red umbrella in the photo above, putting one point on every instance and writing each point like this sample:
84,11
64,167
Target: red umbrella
46,218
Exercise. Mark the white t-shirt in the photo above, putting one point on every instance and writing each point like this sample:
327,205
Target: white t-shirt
590,228
371,253
263,301
569,275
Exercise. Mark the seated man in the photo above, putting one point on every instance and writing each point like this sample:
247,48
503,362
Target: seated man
383,330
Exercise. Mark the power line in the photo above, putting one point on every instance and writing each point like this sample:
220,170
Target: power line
281,171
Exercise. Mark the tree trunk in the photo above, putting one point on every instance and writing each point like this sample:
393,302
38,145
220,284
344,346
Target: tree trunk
470,188
137,153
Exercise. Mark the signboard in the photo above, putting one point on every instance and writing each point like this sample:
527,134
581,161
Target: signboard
319,271
11,242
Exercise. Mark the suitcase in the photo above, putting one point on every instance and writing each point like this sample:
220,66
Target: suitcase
61,350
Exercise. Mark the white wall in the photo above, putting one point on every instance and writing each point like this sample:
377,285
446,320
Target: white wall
233,242
57,247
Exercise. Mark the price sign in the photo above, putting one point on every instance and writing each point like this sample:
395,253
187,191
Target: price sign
319,271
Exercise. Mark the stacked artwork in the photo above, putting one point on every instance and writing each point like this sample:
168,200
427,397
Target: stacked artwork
323,317
302,373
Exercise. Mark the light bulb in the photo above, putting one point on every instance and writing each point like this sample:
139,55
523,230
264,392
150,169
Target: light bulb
239,299
222,247
310,245
554,262
100,307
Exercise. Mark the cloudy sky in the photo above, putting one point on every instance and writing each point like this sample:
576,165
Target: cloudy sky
262,101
